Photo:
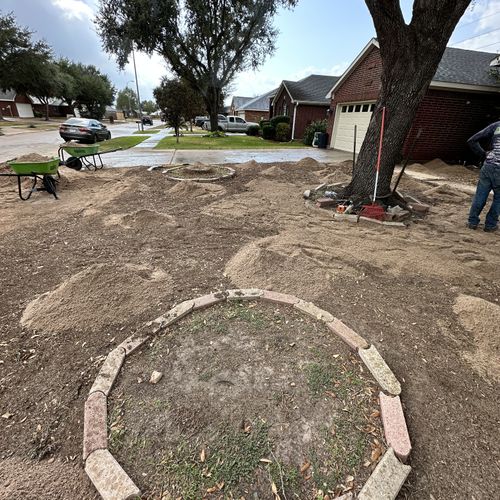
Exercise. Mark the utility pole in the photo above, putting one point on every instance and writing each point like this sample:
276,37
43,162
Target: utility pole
137,87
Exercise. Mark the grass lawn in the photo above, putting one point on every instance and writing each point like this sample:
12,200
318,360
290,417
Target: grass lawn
121,142
148,131
229,142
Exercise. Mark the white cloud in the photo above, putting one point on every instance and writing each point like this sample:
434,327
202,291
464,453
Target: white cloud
74,9
150,70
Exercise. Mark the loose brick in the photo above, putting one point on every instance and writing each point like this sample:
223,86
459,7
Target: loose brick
326,202
314,311
386,480
175,314
109,479
244,294
379,369
95,435
109,371
350,337
208,300
132,343
280,298
396,432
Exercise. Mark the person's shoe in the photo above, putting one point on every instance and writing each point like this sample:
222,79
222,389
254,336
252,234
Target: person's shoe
472,226
490,229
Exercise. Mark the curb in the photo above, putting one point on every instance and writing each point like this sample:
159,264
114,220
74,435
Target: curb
113,483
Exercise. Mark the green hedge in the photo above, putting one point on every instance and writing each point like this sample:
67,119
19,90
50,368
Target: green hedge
279,119
268,132
283,132
253,130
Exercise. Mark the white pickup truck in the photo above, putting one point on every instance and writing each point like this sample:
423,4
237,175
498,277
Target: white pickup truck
231,124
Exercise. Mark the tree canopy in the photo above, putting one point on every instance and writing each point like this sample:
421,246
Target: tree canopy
148,106
127,101
205,43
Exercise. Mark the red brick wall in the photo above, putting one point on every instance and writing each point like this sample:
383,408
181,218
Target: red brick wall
282,98
256,116
5,109
448,118
305,115
363,84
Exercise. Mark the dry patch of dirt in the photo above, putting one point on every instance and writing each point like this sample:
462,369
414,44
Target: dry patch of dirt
482,319
193,189
252,395
99,296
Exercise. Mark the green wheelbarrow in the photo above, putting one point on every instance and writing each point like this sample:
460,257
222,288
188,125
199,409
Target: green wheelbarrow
43,171
82,156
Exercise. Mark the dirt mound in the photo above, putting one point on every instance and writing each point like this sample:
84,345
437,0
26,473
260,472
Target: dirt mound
444,192
140,218
274,171
481,318
99,296
248,164
436,164
33,158
193,189
329,177
310,163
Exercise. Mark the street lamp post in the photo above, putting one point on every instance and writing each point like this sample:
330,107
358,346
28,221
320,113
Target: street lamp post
137,87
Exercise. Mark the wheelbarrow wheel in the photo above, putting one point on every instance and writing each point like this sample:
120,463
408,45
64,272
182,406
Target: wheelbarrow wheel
74,163
49,183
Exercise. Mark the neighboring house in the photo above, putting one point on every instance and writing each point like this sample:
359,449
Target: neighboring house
112,112
15,105
462,98
256,109
304,101
237,102
57,107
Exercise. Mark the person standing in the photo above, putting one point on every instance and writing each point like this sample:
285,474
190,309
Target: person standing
489,177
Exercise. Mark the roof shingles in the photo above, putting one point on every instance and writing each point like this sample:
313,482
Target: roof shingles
312,88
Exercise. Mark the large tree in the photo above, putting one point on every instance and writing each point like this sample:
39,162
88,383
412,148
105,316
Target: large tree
22,60
148,106
205,42
178,102
410,56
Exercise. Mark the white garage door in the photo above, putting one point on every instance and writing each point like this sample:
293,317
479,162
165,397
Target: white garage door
346,117
24,110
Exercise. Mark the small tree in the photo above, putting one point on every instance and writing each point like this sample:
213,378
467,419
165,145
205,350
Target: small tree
127,101
205,42
149,107
175,98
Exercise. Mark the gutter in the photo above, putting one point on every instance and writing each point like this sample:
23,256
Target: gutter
294,118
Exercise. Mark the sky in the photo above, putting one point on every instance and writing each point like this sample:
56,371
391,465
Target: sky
317,37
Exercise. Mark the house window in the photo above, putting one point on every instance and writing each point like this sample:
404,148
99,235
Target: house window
350,109
372,108
344,109
366,108
285,108
358,108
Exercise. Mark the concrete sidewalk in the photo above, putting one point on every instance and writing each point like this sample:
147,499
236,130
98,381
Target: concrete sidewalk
136,157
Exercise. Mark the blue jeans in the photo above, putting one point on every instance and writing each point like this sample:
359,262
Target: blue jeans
489,179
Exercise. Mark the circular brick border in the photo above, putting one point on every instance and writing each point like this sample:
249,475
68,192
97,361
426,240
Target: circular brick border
231,173
112,482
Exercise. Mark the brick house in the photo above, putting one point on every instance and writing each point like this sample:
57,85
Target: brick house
304,101
15,105
462,98
236,102
257,109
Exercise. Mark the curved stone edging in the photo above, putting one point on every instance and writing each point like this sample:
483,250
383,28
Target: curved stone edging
231,173
112,482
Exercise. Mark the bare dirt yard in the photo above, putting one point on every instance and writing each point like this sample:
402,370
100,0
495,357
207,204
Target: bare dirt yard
122,246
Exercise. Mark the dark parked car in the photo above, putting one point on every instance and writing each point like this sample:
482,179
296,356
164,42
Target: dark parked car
84,130
147,120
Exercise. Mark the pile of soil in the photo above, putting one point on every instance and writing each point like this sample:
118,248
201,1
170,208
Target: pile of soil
309,163
128,289
481,318
253,397
199,172
141,219
33,158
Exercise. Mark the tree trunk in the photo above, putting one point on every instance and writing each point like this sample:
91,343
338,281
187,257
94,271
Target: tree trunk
410,56
212,102
47,111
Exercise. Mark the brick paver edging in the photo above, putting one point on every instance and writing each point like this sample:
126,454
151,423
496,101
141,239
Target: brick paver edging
230,173
113,483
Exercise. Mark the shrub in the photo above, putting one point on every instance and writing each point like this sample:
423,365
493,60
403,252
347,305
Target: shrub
312,128
283,132
268,132
263,123
253,130
279,119
214,135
